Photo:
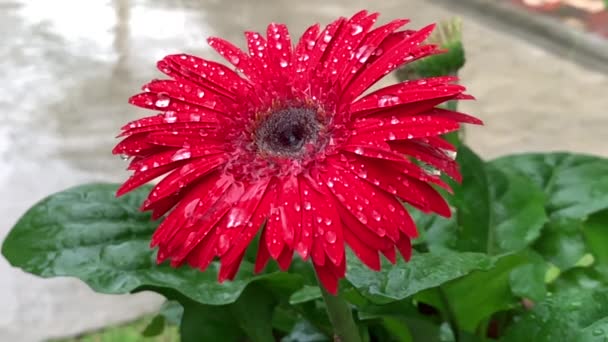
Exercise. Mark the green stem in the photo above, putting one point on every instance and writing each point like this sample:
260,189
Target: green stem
341,317
450,316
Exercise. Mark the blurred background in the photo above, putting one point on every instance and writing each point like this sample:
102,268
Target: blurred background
67,68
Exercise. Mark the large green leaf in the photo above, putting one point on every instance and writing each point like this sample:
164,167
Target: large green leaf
562,243
497,211
201,322
423,271
573,316
595,231
253,311
478,295
517,213
472,199
528,280
575,185
88,233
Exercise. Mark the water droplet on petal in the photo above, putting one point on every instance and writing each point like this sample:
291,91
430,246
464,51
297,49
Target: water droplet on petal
361,217
124,157
326,38
284,63
234,59
279,46
162,101
297,207
388,100
330,183
200,94
356,29
223,242
359,150
181,154
170,117
451,154
376,215
307,205
330,237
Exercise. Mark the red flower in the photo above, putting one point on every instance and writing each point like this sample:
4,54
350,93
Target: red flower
287,144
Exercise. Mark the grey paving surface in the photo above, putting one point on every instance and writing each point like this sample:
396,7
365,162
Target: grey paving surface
67,68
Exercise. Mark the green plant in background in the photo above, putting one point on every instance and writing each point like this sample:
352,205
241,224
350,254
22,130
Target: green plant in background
523,258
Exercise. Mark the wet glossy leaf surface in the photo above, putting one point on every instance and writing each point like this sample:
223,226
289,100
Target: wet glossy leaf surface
88,233
569,316
422,272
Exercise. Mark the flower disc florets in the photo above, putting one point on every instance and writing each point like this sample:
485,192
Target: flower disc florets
289,148
288,132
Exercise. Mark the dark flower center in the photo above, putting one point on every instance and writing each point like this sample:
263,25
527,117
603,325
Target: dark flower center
285,132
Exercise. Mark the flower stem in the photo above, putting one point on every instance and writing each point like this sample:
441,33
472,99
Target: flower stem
341,317
450,316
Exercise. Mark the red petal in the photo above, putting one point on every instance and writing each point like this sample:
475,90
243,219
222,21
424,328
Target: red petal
430,155
285,258
328,227
370,130
404,245
235,56
141,178
246,231
366,202
301,52
228,271
279,48
366,49
398,180
263,255
347,40
366,254
305,239
329,275
183,176
211,76
406,51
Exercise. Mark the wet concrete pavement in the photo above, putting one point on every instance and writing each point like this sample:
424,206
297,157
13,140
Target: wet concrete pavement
68,66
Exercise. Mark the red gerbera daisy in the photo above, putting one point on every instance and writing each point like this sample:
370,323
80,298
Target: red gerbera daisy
287,144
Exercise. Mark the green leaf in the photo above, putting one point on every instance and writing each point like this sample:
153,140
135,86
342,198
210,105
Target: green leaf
253,311
88,233
477,295
398,329
155,327
517,213
575,185
202,322
575,316
595,232
423,271
562,243
305,294
472,199
596,332
528,280
497,212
